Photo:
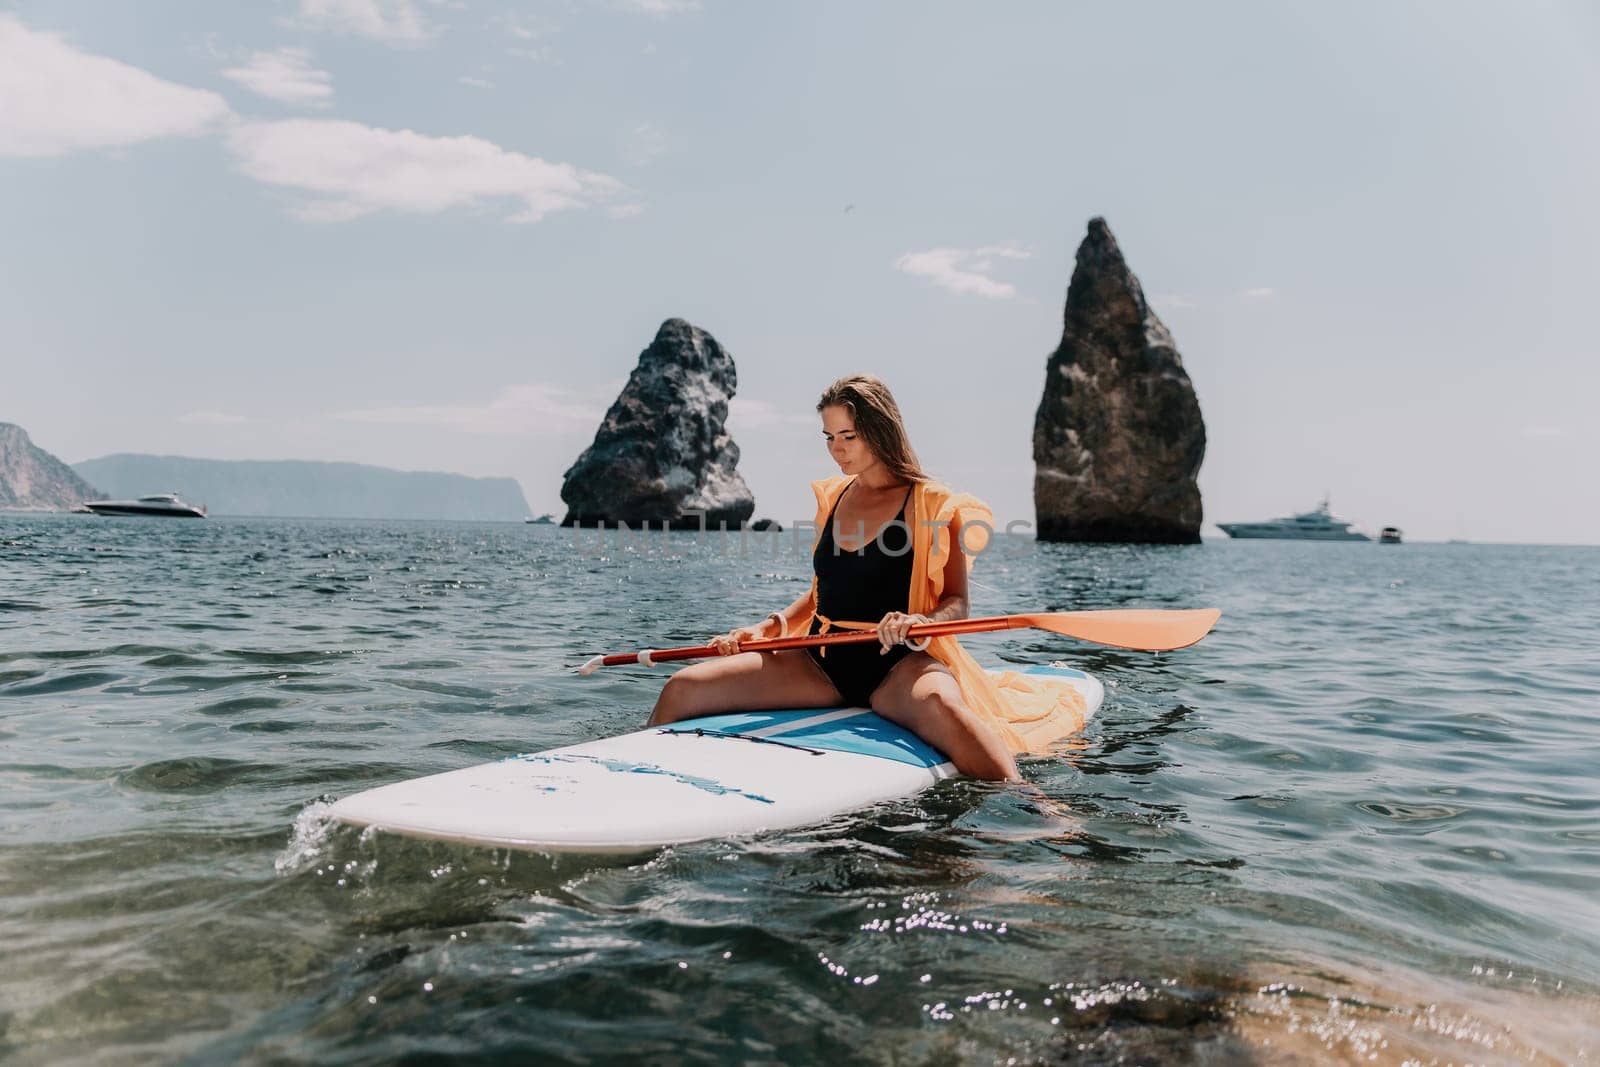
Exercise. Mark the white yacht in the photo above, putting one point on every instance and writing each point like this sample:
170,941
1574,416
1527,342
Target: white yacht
163,504
1318,525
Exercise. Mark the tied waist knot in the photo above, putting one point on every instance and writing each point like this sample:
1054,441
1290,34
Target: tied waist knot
825,624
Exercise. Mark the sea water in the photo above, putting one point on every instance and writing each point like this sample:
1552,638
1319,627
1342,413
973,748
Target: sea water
1359,823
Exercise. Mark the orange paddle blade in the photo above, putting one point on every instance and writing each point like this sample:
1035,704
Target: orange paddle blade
1145,629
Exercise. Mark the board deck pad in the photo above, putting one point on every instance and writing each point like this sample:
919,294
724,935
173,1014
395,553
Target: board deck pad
718,776
856,730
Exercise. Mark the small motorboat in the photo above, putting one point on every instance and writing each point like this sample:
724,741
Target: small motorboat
165,505
1389,535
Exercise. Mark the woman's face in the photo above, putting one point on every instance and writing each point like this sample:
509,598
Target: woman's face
848,450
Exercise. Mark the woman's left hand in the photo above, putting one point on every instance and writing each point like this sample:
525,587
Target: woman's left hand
893,627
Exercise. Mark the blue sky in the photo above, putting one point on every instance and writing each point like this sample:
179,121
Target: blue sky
436,235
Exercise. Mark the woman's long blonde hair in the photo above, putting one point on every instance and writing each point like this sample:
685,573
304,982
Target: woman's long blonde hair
877,419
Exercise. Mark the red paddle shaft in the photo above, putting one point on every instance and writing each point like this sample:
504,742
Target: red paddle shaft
1148,630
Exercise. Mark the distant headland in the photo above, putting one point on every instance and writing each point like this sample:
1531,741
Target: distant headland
310,489
31,479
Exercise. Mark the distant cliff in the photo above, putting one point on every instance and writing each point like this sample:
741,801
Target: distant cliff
31,479
298,488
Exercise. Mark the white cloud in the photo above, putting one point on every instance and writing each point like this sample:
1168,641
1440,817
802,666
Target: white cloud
533,31
964,270
660,8
516,411
539,53
476,83
348,170
1263,293
1174,300
392,22
526,27
56,99
747,415
286,76
217,418
641,145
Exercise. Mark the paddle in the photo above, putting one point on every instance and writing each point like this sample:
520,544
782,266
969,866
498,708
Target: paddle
1143,630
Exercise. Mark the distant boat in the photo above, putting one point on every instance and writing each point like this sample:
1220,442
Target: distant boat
1389,535
546,519
164,505
1318,525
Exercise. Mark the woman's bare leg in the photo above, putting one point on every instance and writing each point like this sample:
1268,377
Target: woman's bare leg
921,695
745,681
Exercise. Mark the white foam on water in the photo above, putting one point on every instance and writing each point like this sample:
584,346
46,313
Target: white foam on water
309,833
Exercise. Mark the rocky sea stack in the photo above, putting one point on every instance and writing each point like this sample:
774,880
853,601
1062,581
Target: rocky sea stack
1118,439
31,479
663,450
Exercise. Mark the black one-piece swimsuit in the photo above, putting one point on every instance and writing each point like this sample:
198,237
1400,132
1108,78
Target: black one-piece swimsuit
861,586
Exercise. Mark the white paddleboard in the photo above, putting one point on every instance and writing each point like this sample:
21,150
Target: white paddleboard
719,776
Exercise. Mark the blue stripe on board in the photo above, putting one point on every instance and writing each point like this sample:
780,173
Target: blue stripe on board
1058,672
743,722
866,734
708,785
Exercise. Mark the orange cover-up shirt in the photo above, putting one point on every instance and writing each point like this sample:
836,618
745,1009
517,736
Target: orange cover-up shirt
1030,712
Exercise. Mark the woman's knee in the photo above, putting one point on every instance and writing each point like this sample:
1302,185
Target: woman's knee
937,713
921,711
948,711
676,699
688,692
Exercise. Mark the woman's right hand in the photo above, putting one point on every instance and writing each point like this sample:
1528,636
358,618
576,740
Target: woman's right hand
728,644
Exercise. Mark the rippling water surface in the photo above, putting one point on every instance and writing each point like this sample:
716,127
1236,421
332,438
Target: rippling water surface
1359,823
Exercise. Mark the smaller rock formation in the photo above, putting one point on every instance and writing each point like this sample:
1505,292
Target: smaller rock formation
663,451
31,479
1118,438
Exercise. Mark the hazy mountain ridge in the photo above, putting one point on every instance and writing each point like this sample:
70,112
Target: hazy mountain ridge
32,479
308,488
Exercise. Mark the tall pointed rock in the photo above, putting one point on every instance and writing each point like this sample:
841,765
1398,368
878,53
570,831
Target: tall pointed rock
1118,440
663,450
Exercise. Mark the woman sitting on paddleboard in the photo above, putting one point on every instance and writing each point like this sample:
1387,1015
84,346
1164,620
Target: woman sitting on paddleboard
892,546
